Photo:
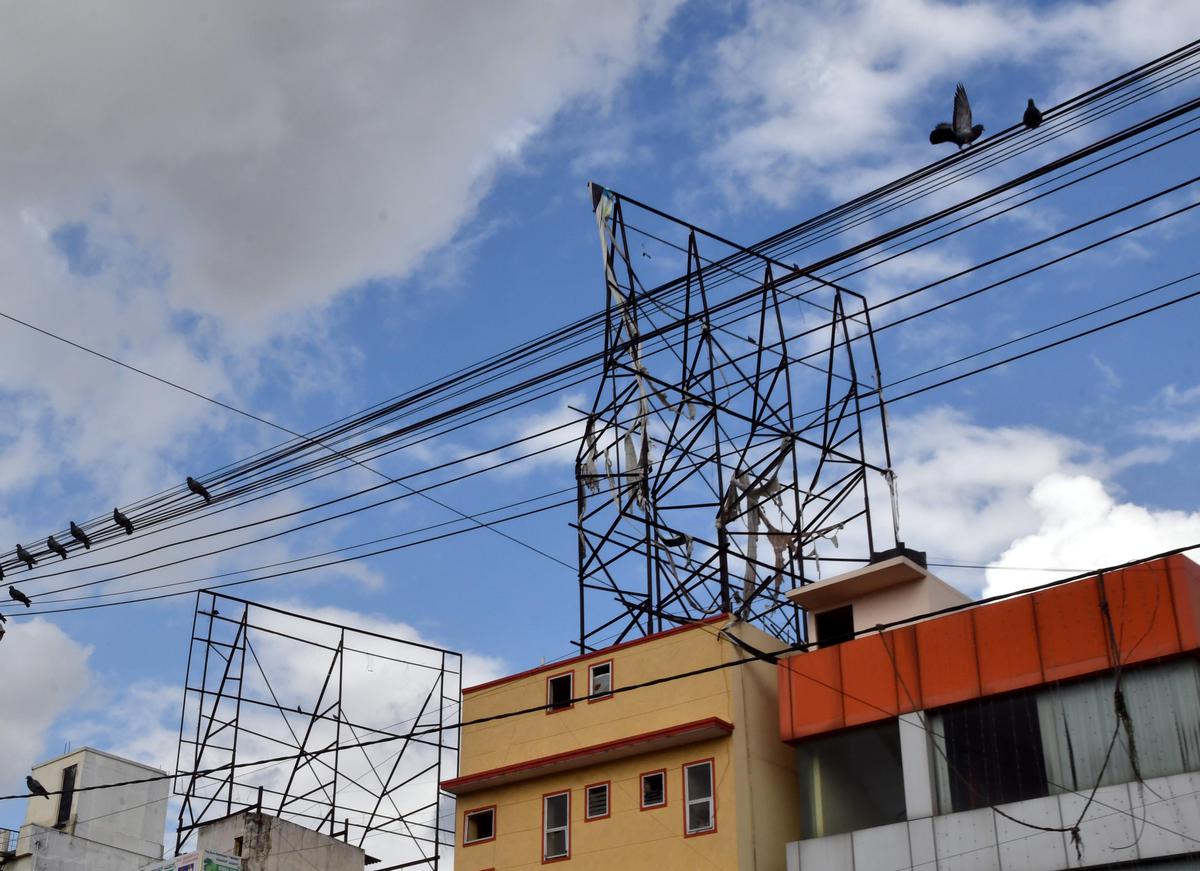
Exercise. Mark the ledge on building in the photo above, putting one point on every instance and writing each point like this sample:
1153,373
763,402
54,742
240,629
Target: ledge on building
660,739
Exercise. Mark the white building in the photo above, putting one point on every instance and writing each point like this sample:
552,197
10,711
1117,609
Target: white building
267,843
78,829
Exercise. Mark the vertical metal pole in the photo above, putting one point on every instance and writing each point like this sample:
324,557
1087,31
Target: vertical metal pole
182,715
245,630
337,745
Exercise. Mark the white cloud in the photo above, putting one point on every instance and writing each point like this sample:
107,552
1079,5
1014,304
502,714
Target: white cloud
964,487
45,675
1081,524
1020,500
274,159
825,93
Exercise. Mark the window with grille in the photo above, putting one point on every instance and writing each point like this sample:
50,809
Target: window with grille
556,826
654,789
596,797
698,797
479,825
600,680
559,690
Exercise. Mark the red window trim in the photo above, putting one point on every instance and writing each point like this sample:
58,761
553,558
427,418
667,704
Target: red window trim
713,770
475,810
550,677
542,848
607,804
611,671
642,790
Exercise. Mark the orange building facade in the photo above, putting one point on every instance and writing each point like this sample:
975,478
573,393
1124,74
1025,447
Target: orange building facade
1053,729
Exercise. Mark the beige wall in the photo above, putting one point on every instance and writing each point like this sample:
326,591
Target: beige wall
757,812
630,839
767,794
520,739
900,602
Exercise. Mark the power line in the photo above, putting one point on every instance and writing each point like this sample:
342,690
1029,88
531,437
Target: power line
653,682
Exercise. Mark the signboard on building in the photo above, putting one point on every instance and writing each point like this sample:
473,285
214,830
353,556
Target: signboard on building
205,860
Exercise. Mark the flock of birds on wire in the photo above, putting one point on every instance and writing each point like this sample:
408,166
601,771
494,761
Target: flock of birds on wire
961,131
77,533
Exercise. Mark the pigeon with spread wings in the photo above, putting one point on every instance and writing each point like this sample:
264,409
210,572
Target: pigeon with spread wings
960,132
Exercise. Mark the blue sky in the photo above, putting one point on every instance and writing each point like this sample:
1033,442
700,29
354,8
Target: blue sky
303,216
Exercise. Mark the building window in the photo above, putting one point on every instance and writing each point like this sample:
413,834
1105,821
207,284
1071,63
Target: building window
851,780
988,752
700,803
600,681
1058,738
835,625
479,825
66,797
595,801
559,692
654,789
556,826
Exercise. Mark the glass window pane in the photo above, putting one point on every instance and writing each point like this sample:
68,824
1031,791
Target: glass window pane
556,811
699,781
699,816
556,843
851,780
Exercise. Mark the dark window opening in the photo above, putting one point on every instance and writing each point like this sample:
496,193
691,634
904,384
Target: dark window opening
559,692
993,752
851,780
835,626
237,845
67,797
480,826
654,789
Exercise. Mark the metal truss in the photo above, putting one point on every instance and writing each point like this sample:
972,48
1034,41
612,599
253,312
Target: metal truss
367,724
733,439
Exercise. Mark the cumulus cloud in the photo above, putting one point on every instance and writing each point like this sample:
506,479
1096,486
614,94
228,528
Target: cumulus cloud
46,673
1081,524
1021,500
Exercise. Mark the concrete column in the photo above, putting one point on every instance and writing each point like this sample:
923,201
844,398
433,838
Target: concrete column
918,768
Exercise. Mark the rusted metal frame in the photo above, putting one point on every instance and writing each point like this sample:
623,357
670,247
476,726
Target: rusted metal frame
858,419
603,563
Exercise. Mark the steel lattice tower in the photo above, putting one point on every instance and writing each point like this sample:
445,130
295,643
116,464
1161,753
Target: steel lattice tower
728,448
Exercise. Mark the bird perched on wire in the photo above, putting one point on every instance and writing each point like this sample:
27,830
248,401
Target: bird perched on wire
17,596
56,547
36,788
1033,115
3,619
122,521
199,489
26,557
960,131
80,536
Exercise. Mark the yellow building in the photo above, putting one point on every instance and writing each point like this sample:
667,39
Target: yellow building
689,774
